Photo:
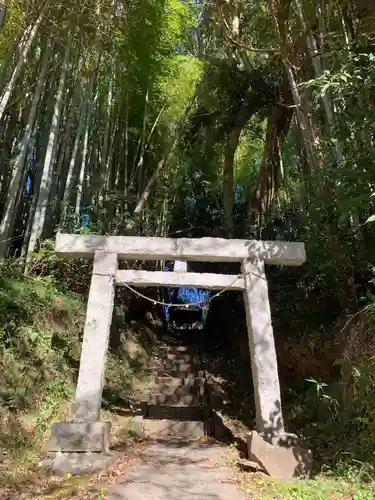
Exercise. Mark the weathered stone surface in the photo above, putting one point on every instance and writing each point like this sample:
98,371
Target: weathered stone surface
174,280
79,437
105,264
198,249
179,390
77,464
178,470
181,413
282,457
180,266
175,365
166,427
179,356
180,373
177,399
177,382
88,398
262,349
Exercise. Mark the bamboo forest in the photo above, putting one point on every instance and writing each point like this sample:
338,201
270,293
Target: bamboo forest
235,119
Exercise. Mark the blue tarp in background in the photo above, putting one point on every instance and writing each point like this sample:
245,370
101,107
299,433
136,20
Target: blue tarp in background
186,296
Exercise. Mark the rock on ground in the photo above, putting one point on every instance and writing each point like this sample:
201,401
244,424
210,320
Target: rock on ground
179,470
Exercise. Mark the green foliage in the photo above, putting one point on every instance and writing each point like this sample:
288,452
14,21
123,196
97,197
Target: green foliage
11,31
363,406
319,489
39,344
336,419
177,87
67,275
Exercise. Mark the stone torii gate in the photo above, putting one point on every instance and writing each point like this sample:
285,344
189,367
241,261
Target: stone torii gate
85,432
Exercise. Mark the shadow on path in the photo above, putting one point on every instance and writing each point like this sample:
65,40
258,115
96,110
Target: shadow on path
176,469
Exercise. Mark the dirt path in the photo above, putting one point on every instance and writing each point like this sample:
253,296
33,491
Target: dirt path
178,470
170,469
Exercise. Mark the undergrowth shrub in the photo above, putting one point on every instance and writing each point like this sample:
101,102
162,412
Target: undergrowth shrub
357,384
336,414
40,330
362,408
72,275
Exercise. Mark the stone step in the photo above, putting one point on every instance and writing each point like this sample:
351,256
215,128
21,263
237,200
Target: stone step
179,357
178,373
181,413
176,400
184,367
176,348
182,390
179,365
187,429
156,362
163,428
178,382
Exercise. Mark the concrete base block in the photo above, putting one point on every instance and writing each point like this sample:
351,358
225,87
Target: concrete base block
279,456
77,464
72,437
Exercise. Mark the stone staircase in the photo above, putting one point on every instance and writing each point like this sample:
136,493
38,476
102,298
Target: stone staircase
178,402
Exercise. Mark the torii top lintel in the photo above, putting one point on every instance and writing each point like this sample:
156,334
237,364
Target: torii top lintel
193,249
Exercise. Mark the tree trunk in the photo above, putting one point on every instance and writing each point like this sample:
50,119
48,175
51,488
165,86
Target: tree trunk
228,176
18,174
91,102
139,170
366,17
7,148
304,119
41,129
106,149
61,170
82,173
45,185
21,61
328,105
3,14
231,145
68,191
278,124
318,71
163,160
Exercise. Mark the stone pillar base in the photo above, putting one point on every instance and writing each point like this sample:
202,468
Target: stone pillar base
77,464
279,456
73,437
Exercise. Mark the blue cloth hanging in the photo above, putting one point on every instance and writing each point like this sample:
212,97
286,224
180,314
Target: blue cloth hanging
186,296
